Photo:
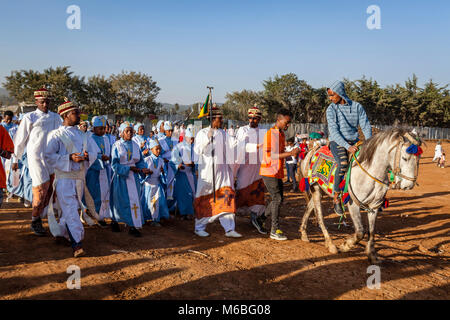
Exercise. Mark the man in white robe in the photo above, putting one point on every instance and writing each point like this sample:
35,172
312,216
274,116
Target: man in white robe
250,185
224,208
32,136
70,152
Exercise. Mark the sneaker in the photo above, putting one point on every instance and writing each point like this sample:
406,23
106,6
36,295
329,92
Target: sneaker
134,232
257,223
338,209
102,224
278,235
155,224
37,228
27,204
115,226
233,234
78,251
201,233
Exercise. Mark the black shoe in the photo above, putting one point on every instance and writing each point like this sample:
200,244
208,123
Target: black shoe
338,209
37,228
102,224
262,220
257,223
115,226
134,232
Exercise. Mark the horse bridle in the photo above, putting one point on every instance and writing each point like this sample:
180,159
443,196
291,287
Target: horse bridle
396,170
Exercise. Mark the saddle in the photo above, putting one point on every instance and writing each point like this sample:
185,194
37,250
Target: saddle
322,170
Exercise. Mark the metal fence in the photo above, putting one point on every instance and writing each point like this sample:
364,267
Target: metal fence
427,133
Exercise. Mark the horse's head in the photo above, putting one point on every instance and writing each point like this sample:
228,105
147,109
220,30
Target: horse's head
405,163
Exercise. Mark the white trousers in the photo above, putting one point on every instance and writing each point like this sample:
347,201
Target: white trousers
66,194
226,220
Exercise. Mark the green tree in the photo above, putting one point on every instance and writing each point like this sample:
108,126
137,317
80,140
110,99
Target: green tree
59,81
135,93
237,104
100,96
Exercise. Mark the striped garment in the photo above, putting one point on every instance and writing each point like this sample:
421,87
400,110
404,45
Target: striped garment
344,119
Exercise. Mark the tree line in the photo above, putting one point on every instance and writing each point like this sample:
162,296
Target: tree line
396,104
126,93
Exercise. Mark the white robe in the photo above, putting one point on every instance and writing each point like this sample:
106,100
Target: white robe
32,136
249,160
224,160
69,178
437,152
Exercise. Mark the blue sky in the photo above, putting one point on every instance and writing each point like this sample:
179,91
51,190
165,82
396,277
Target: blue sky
231,45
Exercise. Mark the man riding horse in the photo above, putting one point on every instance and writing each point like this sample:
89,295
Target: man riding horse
343,117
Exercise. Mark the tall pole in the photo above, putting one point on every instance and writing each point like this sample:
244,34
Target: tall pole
212,143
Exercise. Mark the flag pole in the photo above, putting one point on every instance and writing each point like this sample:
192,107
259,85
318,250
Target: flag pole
212,143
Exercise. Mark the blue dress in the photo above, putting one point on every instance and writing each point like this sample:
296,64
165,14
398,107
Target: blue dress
154,200
185,179
125,198
98,178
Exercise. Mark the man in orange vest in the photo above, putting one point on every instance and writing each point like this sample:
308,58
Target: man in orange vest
272,169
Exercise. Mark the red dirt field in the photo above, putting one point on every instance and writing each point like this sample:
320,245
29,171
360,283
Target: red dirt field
413,239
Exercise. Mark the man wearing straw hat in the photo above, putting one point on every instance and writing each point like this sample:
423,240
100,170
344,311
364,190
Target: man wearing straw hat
32,137
70,152
250,185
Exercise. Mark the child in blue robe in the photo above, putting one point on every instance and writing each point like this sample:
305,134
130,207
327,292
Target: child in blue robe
127,165
98,177
154,200
185,179
141,139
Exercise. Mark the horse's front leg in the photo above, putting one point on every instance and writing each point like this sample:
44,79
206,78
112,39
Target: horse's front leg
355,214
370,247
316,196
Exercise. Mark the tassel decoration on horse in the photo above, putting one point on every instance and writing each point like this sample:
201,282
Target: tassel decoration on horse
415,150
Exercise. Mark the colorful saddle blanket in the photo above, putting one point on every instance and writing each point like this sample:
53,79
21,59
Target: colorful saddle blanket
322,169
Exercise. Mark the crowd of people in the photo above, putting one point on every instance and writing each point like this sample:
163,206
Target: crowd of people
76,172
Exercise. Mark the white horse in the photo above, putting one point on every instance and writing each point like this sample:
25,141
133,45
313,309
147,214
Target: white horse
368,185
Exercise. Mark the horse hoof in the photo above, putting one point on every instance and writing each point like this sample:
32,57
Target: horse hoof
344,248
374,259
332,249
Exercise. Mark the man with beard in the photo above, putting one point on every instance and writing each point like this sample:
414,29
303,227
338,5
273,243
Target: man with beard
213,156
249,185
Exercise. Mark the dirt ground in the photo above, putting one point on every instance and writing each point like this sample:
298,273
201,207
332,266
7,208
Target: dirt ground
413,239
